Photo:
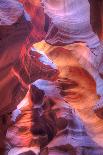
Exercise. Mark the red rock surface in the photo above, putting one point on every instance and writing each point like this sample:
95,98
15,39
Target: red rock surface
80,21
51,123
77,87
56,118
14,29
37,16
17,59
19,64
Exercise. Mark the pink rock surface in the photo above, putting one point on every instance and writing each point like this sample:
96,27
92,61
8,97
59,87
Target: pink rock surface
19,64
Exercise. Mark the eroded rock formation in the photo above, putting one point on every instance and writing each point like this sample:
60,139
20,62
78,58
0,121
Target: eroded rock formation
54,127
17,57
75,25
81,93
14,29
36,13
56,118
19,63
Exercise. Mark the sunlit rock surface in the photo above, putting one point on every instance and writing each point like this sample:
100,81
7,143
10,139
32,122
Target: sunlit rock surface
76,23
82,94
91,60
73,24
59,118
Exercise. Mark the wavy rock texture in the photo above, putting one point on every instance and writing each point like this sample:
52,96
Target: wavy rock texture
74,25
60,119
96,18
14,29
51,123
62,114
77,86
17,59
19,65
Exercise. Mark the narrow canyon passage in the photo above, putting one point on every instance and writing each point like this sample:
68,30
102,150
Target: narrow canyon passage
51,77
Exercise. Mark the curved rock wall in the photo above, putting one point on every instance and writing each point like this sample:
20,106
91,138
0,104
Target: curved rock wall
37,16
50,125
77,87
74,22
14,29
17,61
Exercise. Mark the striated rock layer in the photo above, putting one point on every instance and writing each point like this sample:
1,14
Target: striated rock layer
62,120
59,118
19,63
49,125
77,22
73,24
77,86
14,29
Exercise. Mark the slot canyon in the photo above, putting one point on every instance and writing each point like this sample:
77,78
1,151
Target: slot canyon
51,77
